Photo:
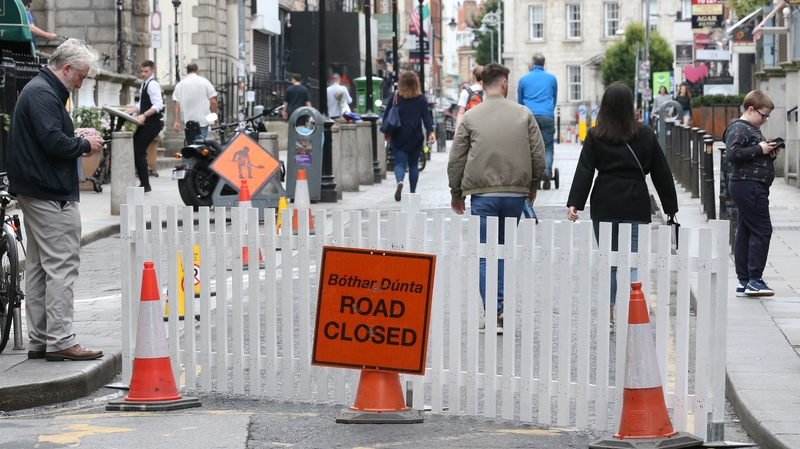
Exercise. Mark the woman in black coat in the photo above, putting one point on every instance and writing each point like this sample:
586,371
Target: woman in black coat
620,193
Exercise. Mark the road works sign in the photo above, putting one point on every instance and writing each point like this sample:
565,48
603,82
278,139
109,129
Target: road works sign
245,159
373,310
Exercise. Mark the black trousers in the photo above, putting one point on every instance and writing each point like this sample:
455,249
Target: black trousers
753,228
142,138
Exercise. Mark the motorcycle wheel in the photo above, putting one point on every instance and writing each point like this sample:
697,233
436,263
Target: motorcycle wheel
423,159
198,185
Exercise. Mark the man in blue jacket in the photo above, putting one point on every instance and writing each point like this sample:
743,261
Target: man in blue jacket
538,91
43,159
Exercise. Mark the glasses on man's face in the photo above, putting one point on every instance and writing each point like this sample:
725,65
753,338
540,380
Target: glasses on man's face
764,117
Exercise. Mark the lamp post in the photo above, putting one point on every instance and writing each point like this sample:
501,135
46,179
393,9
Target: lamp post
395,76
371,116
120,61
177,3
494,20
327,192
421,51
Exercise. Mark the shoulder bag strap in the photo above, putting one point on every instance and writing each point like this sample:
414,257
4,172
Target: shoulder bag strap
637,161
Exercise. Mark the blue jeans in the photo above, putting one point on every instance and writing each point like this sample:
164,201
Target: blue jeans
403,158
547,126
501,207
615,247
204,131
753,229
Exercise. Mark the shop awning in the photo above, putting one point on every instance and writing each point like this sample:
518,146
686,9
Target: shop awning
732,30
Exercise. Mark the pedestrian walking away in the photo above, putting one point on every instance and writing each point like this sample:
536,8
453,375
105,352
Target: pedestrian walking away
497,158
149,108
295,97
752,171
195,98
538,91
407,141
339,98
43,160
35,30
470,93
622,151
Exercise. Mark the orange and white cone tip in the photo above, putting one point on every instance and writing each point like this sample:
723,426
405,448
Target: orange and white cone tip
245,203
152,378
302,200
644,411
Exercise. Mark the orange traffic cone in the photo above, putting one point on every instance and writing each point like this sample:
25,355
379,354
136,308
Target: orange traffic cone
302,200
244,204
569,134
152,383
644,413
379,400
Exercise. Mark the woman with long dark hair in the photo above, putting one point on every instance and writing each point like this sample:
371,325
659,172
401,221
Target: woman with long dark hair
684,98
407,141
622,151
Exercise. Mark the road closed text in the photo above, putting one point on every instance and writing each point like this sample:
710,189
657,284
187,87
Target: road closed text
363,333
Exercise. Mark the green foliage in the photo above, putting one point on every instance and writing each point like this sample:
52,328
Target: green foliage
745,7
620,58
484,50
7,122
717,100
87,117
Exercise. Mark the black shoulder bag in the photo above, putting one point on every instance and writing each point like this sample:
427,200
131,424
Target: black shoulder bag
676,227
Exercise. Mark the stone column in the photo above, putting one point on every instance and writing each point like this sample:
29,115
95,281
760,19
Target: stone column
364,154
776,89
122,170
347,176
792,137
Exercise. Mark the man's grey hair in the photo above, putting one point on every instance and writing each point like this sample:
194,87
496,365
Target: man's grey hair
538,60
336,77
76,53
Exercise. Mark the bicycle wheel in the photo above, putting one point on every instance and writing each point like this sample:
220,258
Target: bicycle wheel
9,273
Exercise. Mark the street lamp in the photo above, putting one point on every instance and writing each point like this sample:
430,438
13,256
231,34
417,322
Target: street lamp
176,3
452,25
494,20
120,62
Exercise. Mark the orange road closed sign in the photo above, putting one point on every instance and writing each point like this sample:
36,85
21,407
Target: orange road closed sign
373,310
242,159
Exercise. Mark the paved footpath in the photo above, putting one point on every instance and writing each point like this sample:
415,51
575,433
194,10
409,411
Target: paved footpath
763,334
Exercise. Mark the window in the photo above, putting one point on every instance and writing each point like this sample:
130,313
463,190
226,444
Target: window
573,21
536,15
654,14
612,19
574,83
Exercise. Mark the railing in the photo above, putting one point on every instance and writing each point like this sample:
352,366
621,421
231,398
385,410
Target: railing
555,364
16,70
690,156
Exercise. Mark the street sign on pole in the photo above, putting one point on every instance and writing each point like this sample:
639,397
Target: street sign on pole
155,30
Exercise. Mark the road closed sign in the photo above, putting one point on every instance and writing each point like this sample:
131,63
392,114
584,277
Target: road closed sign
373,310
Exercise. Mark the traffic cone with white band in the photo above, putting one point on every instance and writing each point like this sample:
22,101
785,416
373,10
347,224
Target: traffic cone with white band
152,386
645,421
302,200
244,204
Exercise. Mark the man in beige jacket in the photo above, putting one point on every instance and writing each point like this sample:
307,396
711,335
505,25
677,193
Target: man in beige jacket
498,158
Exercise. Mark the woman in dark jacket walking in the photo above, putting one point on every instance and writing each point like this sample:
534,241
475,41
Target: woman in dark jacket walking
408,140
623,151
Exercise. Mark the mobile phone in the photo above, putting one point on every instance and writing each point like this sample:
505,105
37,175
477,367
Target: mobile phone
779,143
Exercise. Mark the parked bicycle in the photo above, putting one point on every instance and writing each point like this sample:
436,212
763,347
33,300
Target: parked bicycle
11,271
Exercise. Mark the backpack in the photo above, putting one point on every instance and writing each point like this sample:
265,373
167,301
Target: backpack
473,98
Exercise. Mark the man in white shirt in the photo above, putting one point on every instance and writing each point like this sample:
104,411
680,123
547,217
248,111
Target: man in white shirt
476,87
149,107
194,98
338,98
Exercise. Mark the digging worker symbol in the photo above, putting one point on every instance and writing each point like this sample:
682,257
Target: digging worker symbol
242,158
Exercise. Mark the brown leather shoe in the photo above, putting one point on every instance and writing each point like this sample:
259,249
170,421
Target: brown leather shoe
76,352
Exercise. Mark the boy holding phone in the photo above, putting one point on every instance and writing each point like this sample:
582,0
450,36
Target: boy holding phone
752,171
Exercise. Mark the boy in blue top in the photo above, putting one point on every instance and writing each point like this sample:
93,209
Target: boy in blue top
538,91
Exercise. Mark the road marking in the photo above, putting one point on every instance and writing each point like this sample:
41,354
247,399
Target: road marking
73,434
551,432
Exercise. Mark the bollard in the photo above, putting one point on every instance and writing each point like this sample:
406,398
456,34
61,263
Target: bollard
364,160
381,151
122,170
708,179
723,184
668,144
676,156
687,158
347,177
336,159
697,150
269,142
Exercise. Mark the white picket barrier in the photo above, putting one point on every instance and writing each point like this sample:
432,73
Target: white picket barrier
254,336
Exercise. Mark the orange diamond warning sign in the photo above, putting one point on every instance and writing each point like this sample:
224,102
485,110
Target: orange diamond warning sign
245,159
373,310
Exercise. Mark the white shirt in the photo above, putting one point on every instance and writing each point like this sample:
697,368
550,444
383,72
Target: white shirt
464,98
334,105
194,94
154,90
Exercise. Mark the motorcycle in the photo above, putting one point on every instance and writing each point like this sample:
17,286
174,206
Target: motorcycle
196,179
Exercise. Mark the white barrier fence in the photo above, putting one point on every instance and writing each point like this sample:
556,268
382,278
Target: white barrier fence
555,364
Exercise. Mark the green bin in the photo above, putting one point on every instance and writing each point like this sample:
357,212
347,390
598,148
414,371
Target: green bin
361,93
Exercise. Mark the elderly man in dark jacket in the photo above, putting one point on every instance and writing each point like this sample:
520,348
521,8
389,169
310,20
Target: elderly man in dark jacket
43,172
